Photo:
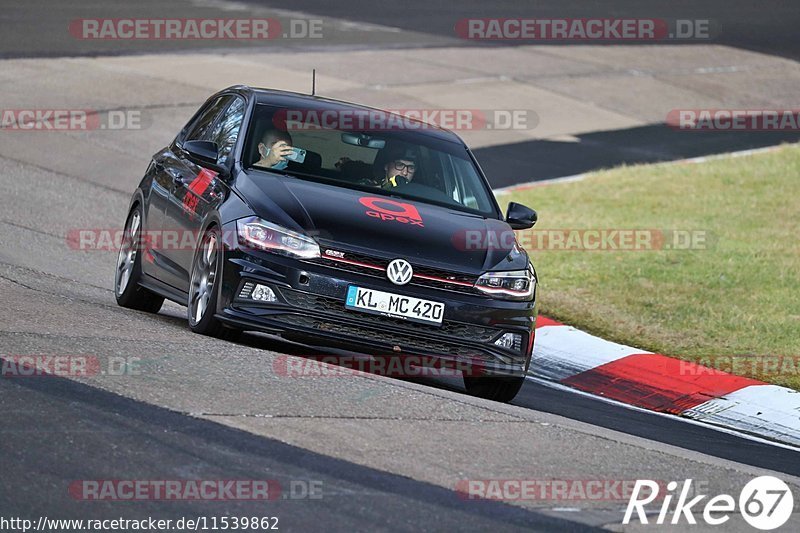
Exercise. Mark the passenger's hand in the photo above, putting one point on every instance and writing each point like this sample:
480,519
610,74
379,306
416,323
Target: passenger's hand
277,153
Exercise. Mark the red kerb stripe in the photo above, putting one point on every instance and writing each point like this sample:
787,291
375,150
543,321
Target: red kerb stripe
657,382
544,321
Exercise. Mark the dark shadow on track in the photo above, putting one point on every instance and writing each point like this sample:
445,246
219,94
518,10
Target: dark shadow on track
56,431
511,164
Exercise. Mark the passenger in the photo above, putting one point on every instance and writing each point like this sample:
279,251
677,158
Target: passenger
274,147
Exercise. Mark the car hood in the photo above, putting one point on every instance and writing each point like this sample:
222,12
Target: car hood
382,226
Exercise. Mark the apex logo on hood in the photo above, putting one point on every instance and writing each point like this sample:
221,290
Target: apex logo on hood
391,210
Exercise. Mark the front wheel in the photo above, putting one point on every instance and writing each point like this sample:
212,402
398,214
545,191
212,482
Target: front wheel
493,388
127,290
203,288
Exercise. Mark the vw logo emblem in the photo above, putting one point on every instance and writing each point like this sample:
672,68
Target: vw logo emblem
399,272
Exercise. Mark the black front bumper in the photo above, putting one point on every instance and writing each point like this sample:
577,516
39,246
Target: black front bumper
311,309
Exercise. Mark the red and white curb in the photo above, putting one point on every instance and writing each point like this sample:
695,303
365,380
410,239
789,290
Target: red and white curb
573,358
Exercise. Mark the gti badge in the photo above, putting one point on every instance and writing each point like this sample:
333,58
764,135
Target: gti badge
399,272
334,253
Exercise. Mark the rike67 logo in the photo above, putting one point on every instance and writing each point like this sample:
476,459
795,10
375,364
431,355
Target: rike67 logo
765,503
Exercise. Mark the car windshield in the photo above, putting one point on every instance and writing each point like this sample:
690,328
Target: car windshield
368,149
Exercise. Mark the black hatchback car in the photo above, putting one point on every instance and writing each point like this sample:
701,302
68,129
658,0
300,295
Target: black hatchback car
334,225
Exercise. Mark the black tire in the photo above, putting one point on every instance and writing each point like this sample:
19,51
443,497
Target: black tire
204,288
493,388
128,273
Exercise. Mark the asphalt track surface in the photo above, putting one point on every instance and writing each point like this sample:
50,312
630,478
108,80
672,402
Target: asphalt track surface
37,28
80,427
208,409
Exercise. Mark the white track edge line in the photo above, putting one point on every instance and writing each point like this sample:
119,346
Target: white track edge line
723,429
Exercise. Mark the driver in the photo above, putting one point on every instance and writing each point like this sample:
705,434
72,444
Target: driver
399,170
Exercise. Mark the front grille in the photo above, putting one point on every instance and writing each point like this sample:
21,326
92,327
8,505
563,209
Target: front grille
325,304
374,266
407,342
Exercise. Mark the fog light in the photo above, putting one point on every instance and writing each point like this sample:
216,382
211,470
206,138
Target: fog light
510,341
263,293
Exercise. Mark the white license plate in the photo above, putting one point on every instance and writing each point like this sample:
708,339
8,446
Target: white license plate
394,305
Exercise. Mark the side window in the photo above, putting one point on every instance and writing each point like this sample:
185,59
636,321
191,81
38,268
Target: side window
465,181
200,130
226,129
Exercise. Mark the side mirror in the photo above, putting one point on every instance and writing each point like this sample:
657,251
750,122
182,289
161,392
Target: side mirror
202,151
205,154
519,216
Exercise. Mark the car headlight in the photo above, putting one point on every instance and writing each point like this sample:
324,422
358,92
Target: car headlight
264,235
511,285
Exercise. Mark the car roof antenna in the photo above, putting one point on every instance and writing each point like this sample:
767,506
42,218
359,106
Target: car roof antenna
313,82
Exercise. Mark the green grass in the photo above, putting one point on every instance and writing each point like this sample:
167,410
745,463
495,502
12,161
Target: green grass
740,296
